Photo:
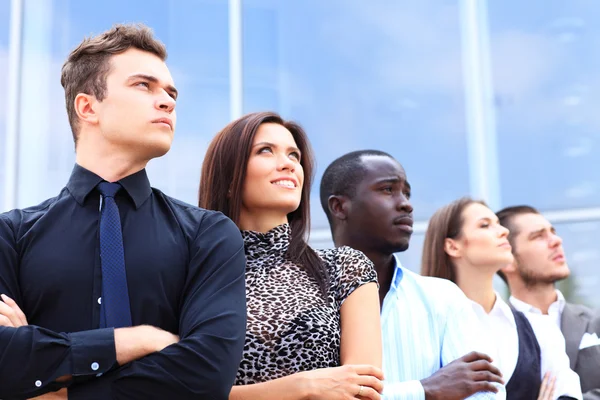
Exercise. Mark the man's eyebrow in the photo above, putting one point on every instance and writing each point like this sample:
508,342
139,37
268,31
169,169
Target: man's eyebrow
393,179
169,88
387,180
536,232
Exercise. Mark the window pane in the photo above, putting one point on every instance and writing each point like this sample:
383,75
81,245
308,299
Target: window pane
4,31
580,241
547,90
197,40
359,75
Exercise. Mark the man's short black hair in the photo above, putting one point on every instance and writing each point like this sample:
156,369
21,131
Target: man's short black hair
343,175
506,217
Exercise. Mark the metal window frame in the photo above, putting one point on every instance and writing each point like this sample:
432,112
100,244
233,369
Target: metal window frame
480,111
11,151
236,99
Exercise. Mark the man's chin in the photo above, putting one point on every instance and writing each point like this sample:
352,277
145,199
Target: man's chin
156,150
547,280
559,277
400,247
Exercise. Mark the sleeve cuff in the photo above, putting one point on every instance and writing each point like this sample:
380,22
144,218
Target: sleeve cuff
410,390
93,352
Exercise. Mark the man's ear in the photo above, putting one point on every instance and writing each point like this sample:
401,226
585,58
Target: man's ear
338,206
452,248
84,107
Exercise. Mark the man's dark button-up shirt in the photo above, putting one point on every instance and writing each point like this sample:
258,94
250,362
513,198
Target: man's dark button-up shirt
185,274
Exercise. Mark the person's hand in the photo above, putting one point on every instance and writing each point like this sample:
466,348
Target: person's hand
136,342
151,338
462,378
10,313
59,395
345,382
547,388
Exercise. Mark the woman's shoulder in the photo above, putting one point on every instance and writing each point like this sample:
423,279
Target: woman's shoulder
344,255
348,270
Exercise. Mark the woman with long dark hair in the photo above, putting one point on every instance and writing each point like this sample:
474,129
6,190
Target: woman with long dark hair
466,244
313,326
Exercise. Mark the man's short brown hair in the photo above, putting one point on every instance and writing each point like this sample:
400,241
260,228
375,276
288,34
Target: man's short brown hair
506,217
87,66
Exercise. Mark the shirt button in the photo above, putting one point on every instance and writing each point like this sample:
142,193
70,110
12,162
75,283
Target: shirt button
38,383
95,366
99,300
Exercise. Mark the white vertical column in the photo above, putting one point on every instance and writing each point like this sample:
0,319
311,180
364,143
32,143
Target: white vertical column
235,59
480,107
38,138
12,110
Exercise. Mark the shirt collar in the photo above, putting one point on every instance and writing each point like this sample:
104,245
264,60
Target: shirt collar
83,181
560,301
500,309
520,305
398,274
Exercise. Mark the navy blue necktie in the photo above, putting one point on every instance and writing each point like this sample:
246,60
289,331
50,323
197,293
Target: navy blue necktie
114,309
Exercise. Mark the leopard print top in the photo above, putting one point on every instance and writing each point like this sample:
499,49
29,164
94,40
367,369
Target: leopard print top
291,327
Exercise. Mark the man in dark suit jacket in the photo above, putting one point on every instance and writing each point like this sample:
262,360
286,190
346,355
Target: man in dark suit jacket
539,263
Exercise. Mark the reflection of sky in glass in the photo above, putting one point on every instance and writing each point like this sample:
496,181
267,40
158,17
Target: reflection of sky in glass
580,241
384,75
359,76
547,84
198,60
4,31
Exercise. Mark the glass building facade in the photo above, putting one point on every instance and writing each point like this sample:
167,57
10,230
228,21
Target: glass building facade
493,99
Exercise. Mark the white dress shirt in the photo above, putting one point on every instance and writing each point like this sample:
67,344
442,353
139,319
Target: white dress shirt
554,311
426,324
500,326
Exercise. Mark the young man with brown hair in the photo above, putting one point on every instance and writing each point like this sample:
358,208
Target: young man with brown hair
540,262
113,289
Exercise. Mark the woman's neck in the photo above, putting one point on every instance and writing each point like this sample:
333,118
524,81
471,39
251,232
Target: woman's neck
260,223
478,284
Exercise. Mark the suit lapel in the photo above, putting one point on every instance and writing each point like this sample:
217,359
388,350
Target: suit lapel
573,327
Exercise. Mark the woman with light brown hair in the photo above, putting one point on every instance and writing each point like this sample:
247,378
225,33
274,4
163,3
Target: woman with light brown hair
313,315
466,244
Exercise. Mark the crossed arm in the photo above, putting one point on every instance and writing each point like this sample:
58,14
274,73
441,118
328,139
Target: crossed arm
35,360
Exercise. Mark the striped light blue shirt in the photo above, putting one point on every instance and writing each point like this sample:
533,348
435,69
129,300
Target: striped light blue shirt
426,324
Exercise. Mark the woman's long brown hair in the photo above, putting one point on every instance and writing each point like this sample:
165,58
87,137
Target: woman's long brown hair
224,172
447,222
